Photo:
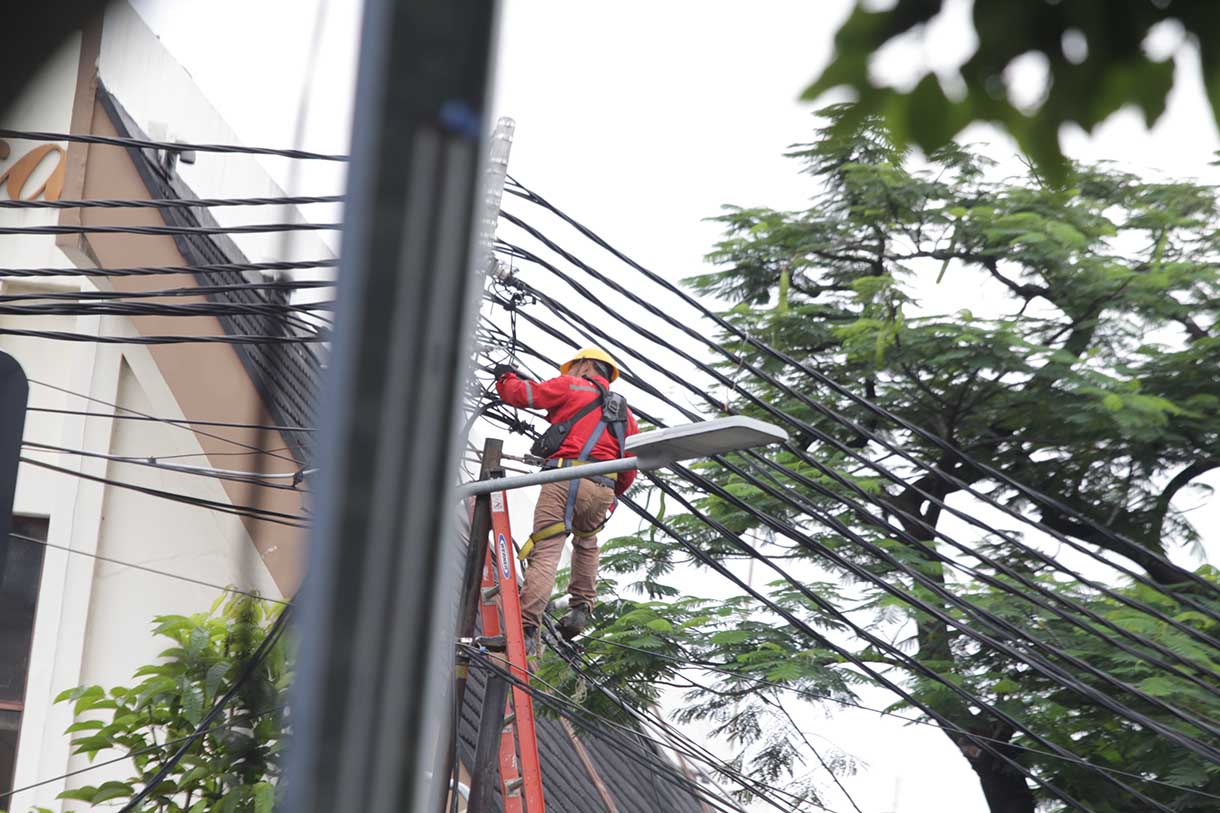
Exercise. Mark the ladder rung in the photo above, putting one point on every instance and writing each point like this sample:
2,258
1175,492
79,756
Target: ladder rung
514,784
491,592
510,719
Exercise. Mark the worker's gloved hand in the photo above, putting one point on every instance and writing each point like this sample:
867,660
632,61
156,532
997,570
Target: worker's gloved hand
501,370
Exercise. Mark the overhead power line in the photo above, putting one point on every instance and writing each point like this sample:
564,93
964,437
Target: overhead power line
115,141
253,228
1037,662
156,270
807,429
1021,588
1138,552
248,512
867,668
146,569
233,338
167,203
827,698
180,424
250,477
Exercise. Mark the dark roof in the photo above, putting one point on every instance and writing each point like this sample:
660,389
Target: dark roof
644,782
287,377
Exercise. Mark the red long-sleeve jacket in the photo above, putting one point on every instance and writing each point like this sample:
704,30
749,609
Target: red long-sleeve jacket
562,397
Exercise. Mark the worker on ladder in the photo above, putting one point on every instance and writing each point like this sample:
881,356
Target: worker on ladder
588,422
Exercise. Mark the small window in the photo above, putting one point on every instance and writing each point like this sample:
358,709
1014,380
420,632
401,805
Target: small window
20,576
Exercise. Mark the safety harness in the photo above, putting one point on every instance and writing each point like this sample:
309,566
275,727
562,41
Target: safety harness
613,417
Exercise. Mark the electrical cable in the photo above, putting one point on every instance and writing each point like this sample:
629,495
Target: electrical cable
253,228
910,662
262,514
233,338
931,437
1040,664
139,752
184,309
670,731
762,682
916,665
143,143
248,477
198,290
157,270
934,498
833,415
598,726
167,203
168,421
134,566
185,422
906,536
606,338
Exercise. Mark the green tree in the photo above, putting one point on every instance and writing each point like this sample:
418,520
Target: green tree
231,768
1094,51
1087,368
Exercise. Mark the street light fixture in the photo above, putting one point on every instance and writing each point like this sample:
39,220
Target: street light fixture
652,450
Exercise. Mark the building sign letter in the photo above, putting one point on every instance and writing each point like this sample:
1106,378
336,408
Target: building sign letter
17,176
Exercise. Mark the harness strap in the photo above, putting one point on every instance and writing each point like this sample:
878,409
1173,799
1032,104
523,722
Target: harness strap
565,527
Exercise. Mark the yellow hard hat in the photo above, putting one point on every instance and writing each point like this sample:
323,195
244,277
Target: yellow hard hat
591,354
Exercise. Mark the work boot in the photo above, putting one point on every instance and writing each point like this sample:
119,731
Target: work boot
574,621
531,642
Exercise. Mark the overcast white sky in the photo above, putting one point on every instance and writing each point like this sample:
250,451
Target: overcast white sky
642,118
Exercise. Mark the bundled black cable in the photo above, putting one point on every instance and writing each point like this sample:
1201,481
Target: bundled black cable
174,146
813,597
980,742
1023,587
814,432
156,270
1136,551
167,203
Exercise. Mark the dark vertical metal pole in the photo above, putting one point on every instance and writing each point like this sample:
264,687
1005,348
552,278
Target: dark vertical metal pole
476,554
375,678
487,747
14,397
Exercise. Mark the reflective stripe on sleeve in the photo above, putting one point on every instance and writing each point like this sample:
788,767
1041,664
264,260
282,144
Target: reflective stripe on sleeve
580,388
529,394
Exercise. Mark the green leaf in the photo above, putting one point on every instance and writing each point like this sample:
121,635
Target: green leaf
84,793
112,790
84,725
731,637
264,797
212,680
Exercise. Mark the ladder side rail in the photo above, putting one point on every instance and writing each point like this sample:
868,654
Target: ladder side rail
493,627
523,703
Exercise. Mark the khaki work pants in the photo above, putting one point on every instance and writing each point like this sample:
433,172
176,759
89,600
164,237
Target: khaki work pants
593,502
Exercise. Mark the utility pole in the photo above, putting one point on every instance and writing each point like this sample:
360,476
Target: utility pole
375,680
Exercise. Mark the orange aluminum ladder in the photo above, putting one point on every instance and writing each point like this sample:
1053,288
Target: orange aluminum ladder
500,611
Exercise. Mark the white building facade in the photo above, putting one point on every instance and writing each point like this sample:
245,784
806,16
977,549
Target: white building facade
75,610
